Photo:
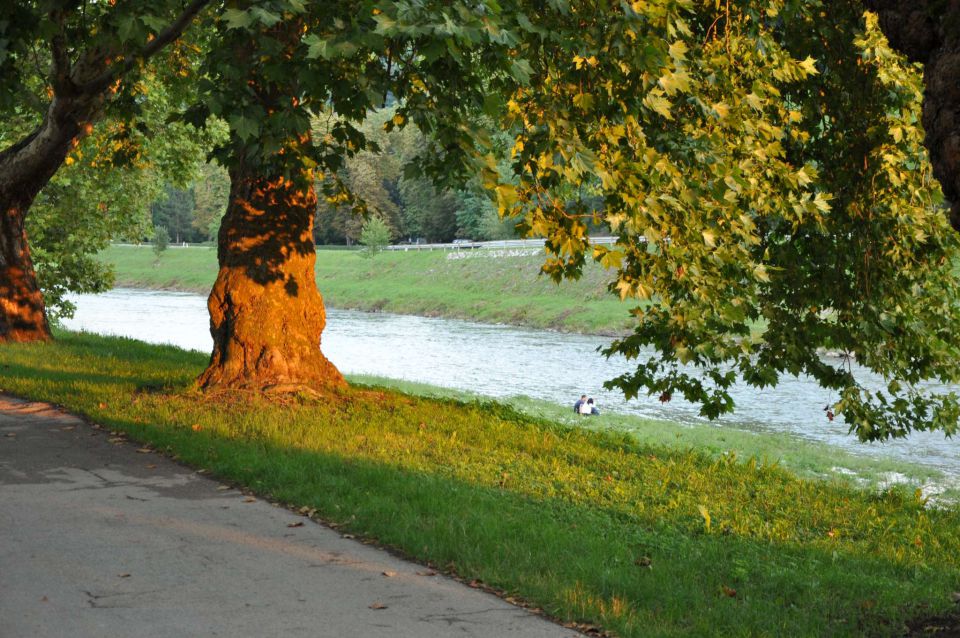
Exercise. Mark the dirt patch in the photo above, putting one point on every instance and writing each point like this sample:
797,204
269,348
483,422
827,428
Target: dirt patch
946,626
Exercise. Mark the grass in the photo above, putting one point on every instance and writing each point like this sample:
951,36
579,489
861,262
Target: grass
425,283
807,459
597,527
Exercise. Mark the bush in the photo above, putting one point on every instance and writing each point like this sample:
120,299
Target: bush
374,236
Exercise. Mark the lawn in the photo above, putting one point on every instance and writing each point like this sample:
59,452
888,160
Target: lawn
591,526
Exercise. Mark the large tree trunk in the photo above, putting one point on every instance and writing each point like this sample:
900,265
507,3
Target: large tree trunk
22,313
266,314
25,168
928,31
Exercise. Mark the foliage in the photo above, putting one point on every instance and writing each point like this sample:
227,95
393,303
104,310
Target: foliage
413,205
211,191
491,495
161,240
763,170
375,236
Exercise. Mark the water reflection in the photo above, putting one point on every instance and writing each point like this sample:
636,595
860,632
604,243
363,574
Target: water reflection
500,361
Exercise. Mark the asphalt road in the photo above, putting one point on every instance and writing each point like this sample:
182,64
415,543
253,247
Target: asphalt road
99,540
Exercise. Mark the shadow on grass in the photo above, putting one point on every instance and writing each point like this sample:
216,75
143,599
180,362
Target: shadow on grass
583,564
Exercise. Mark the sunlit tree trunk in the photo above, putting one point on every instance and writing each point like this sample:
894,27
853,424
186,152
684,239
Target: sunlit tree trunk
266,314
22,312
25,168
928,31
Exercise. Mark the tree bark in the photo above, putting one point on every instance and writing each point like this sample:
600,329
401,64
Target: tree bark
266,314
928,31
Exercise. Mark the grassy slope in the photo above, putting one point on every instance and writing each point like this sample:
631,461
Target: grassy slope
504,289
595,527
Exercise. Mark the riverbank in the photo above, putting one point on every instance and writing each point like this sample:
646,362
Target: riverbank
593,527
491,286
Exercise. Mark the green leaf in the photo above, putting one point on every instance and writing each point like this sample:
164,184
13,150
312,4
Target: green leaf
237,18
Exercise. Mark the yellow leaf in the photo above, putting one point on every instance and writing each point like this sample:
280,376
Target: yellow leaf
809,65
675,81
659,104
506,196
709,238
678,50
821,202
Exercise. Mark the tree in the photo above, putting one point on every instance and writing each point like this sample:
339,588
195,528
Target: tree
706,138
279,65
71,63
104,191
174,212
375,236
161,241
210,194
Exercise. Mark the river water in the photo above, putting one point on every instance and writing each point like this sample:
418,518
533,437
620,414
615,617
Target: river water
502,361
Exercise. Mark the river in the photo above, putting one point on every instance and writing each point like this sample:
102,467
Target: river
503,361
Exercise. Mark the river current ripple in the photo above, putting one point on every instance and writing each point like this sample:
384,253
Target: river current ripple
503,361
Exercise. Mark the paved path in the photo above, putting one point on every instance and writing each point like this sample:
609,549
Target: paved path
98,540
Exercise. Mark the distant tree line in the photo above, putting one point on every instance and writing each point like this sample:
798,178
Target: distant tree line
386,186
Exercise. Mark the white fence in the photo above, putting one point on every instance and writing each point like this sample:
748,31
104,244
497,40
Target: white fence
502,243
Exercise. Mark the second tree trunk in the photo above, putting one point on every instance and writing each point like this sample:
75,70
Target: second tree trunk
266,314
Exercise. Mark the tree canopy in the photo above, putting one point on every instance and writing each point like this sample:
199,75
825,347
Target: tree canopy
764,171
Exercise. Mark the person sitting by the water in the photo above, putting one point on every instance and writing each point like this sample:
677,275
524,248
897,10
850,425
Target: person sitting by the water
588,407
580,402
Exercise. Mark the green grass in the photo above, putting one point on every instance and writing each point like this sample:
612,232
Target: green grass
596,527
807,459
421,283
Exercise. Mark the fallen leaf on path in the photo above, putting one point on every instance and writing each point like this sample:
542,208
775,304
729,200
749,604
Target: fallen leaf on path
389,574
378,606
144,450
67,428
123,575
116,439
10,435
249,499
152,466
222,488
476,584
349,536
429,572
297,524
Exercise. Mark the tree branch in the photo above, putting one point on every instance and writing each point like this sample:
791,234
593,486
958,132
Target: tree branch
165,37
60,55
